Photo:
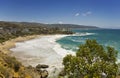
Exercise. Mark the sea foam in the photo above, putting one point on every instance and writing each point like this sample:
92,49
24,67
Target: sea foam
84,34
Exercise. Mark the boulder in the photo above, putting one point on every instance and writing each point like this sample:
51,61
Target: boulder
44,74
41,66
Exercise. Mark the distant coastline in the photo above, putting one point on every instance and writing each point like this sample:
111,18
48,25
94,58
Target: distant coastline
36,24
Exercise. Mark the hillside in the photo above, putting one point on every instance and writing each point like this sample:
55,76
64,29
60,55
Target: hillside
72,26
9,30
52,25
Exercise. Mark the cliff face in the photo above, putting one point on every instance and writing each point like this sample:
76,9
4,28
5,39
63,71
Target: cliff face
11,68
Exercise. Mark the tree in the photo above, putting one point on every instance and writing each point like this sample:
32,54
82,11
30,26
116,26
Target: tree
92,60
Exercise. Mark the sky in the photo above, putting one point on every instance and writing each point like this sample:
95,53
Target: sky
101,13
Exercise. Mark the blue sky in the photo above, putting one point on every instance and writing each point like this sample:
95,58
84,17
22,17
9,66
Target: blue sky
101,13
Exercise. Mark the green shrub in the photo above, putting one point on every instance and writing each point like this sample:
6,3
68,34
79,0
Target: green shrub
91,61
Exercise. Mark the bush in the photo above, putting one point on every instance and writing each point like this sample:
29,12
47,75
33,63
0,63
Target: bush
92,60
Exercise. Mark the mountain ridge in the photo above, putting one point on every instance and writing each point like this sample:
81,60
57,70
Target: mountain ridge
51,25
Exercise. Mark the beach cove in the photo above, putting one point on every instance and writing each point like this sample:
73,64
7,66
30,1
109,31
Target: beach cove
41,50
50,49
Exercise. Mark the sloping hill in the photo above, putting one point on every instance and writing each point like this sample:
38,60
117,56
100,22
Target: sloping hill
71,26
50,25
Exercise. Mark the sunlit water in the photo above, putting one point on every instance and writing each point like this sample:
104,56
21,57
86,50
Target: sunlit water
106,37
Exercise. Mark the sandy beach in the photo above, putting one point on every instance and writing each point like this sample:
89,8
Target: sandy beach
36,49
4,47
41,50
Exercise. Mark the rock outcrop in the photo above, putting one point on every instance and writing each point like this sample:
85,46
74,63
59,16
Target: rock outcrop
41,70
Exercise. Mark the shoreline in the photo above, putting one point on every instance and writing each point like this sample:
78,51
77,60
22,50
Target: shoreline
41,50
46,44
49,53
7,45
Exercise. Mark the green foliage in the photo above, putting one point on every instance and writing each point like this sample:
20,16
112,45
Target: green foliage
91,61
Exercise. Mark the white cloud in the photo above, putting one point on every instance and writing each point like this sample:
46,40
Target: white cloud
77,14
60,22
84,14
87,13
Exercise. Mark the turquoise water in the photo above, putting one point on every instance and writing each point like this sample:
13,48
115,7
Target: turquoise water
106,37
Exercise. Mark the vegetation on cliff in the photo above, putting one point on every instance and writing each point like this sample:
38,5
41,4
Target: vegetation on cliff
11,68
92,60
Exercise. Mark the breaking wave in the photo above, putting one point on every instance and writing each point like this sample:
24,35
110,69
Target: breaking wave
84,34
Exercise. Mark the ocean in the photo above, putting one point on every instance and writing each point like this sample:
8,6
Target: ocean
105,37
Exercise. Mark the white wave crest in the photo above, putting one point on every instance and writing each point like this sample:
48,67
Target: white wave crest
80,41
83,34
